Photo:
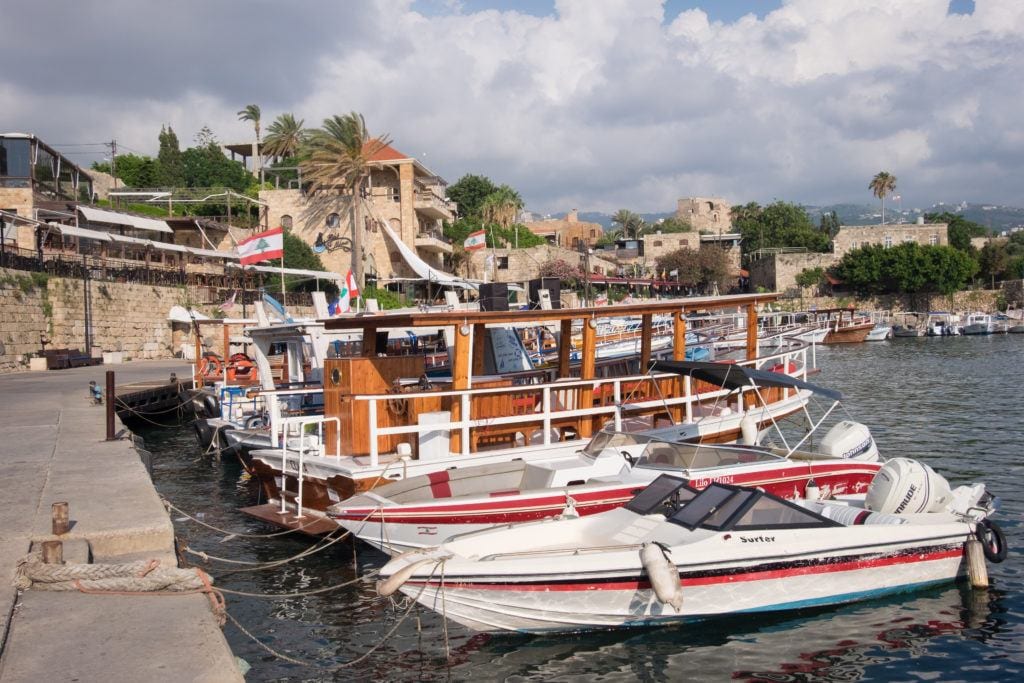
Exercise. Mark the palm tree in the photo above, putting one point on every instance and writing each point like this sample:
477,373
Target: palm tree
630,224
251,113
285,136
337,158
502,207
882,184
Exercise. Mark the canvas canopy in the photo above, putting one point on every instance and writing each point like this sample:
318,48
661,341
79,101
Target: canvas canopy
732,376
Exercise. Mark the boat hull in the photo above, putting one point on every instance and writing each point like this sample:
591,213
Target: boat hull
542,603
399,528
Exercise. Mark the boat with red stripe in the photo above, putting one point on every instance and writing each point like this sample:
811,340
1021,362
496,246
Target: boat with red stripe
678,554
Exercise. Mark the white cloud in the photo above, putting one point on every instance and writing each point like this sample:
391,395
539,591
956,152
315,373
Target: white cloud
604,105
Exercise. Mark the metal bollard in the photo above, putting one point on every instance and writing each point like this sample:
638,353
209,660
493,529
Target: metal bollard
111,398
60,518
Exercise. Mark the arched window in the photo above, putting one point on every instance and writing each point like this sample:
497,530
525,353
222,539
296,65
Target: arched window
286,222
333,221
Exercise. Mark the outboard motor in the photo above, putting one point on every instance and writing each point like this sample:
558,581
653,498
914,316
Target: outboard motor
904,486
849,439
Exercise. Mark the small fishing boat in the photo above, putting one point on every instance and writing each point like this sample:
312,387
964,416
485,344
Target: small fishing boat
675,554
979,324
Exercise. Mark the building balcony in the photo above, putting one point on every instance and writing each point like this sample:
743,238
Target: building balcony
433,206
433,242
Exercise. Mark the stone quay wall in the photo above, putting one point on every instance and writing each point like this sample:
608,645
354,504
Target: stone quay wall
131,318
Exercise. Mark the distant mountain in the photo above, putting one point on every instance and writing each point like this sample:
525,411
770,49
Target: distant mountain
994,217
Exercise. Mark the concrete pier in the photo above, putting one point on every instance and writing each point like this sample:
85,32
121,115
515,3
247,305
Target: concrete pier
52,449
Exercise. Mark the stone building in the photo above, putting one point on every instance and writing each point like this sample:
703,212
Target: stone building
852,237
401,193
522,265
776,270
36,183
569,232
707,214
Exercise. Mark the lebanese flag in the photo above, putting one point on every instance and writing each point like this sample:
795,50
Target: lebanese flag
262,247
476,240
349,291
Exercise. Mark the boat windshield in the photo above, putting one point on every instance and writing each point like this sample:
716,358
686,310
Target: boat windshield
663,455
722,507
614,440
665,490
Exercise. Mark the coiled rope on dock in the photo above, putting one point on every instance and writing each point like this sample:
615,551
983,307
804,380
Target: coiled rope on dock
142,577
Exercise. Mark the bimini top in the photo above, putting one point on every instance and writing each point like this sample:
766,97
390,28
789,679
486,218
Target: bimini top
732,376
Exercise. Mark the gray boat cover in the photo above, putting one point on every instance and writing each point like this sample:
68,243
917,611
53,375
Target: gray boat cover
732,376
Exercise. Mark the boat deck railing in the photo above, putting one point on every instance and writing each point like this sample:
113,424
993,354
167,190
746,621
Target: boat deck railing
508,411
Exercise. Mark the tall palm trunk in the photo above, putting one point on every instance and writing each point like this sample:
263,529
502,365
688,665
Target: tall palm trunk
357,238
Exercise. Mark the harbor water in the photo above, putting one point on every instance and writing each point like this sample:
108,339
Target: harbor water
955,403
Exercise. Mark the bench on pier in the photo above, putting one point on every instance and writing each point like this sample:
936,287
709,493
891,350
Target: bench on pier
59,359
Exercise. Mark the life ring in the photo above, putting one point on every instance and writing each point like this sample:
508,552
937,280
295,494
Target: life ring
993,541
211,366
241,367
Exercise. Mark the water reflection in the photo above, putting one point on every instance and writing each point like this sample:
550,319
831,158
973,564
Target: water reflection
950,402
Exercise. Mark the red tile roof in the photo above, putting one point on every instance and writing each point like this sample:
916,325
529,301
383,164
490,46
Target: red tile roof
386,153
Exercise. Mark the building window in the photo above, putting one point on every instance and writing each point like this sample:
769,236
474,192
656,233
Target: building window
575,242
657,243
286,222
333,221
888,241
933,240
503,263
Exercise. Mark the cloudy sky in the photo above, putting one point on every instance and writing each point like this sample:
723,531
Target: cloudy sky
589,104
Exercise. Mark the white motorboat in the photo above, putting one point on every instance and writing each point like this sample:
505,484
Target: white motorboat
979,324
879,333
674,554
424,510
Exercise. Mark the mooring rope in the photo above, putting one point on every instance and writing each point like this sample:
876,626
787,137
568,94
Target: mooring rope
233,534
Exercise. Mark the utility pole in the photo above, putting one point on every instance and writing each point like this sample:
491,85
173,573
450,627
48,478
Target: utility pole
113,160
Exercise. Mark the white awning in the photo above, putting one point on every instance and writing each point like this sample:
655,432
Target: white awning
82,233
320,274
130,240
422,268
115,218
167,246
212,253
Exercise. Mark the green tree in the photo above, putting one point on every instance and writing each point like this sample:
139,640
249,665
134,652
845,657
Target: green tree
777,225
672,224
569,274
299,255
500,209
208,167
810,277
630,224
170,168
251,113
960,230
285,136
882,184
829,224
337,157
908,268
469,193
686,263
134,170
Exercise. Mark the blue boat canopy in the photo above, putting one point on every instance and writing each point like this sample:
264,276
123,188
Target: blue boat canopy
732,376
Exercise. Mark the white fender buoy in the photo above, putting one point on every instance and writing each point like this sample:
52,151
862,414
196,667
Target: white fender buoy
391,584
748,430
663,575
811,490
977,570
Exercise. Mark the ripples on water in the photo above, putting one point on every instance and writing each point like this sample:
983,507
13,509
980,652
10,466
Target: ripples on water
954,403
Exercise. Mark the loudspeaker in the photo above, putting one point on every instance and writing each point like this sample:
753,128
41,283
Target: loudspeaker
554,287
494,296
